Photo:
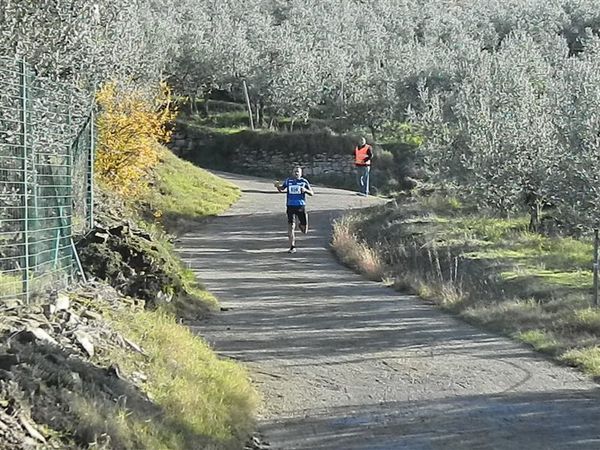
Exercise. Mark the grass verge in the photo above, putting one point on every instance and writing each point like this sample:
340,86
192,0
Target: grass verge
183,193
489,270
181,196
204,402
194,399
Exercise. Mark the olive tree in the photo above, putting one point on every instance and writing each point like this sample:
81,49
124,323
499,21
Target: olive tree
495,135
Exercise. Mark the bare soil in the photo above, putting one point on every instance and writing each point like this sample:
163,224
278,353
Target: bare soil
345,363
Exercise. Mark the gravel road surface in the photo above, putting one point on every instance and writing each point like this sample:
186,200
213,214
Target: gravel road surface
345,363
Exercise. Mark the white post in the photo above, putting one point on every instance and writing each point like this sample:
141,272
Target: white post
248,104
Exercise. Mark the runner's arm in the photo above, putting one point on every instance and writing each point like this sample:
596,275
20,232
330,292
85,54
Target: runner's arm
308,190
280,187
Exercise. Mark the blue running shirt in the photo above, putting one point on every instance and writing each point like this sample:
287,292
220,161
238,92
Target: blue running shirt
294,195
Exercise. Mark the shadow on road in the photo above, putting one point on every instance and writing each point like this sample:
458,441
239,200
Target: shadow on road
472,422
345,363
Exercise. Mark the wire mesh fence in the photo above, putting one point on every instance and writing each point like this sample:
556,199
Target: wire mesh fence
46,155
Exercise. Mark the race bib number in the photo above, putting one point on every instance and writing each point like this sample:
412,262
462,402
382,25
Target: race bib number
295,189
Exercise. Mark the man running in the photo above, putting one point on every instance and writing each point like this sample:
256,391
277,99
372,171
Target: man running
296,188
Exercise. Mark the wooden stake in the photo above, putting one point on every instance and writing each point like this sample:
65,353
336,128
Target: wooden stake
248,104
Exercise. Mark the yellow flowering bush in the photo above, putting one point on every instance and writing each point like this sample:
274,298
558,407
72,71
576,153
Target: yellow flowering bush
130,127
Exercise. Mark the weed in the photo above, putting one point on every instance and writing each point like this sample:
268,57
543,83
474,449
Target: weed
540,340
587,319
199,394
586,358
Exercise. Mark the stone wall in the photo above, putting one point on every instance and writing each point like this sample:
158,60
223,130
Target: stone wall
322,155
281,162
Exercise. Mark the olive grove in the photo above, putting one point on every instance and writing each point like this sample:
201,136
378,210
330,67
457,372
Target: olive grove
505,92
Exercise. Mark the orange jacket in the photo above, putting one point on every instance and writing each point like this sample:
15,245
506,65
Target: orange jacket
363,155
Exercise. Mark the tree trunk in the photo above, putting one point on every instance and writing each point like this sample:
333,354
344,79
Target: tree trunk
535,215
341,99
205,109
373,132
260,114
193,109
245,86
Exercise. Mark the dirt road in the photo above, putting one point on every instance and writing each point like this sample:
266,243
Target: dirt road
344,363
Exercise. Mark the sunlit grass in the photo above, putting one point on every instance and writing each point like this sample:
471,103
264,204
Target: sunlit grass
540,340
488,228
185,190
226,119
586,358
587,319
10,285
200,395
576,279
533,287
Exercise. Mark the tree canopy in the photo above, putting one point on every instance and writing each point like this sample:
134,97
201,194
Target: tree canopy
505,92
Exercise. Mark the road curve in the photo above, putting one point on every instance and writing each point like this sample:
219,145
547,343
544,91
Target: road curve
345,363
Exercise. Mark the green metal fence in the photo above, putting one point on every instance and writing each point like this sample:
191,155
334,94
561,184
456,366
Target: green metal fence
46,179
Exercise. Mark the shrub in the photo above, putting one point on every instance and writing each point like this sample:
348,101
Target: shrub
130,126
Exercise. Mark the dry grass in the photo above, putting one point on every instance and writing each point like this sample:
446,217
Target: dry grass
356,254
490,270
368,261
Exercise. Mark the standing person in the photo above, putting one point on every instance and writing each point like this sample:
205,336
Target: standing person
363,153
296,188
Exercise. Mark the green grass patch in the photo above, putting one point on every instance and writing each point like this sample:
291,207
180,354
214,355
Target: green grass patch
587,319
533,287
184,191
207,130
575,280
487,228
227,119
198,400
540,340
10,285
587,359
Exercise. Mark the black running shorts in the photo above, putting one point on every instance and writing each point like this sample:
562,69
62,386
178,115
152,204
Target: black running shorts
297,211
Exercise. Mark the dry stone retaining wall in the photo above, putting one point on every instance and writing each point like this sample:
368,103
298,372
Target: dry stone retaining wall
262,153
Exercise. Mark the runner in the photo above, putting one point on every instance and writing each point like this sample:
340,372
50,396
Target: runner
296,188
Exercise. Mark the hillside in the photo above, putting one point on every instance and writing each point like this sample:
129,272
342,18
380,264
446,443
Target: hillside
113,367
483,120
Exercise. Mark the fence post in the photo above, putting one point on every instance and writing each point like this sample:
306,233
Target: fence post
24,139
248,104
91,167
595,267
69,205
